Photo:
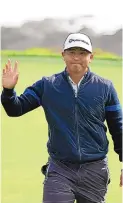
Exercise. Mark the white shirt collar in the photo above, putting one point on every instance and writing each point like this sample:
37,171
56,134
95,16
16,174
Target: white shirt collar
73,83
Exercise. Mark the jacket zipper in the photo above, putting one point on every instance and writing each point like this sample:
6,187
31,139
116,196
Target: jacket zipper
76,119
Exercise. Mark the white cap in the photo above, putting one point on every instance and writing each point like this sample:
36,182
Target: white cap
78,40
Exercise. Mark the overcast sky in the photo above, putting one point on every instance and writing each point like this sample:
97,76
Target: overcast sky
107,13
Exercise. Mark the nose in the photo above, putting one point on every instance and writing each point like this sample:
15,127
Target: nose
76,56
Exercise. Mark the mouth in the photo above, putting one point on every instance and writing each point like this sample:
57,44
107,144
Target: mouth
76,64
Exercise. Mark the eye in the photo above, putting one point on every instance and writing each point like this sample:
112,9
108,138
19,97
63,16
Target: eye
83,53
71,53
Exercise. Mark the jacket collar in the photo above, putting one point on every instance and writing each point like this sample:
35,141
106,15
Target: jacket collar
86,76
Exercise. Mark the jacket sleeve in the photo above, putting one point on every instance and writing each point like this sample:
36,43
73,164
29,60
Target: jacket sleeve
18,105
114,119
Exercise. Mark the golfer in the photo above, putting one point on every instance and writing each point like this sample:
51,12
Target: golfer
76,103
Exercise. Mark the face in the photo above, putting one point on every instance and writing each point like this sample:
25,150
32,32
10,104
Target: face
77,59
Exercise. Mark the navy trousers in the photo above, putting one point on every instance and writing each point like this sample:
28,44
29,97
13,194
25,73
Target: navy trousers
67,182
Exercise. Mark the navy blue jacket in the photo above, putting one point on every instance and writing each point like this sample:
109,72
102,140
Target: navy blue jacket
76,124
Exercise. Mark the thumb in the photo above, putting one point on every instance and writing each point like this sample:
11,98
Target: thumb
15,67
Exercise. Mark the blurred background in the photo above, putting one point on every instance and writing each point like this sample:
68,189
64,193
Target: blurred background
33,33
39,24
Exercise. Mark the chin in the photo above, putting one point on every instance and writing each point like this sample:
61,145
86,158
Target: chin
76,68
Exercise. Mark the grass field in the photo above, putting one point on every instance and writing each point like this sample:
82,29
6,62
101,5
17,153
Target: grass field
24,139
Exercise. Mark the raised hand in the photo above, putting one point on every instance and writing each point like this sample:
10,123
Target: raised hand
10,75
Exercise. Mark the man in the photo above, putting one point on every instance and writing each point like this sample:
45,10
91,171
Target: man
76,103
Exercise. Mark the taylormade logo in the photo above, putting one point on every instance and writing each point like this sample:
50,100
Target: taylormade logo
78,40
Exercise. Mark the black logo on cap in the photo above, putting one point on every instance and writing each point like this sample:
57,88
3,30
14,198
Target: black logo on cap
78,40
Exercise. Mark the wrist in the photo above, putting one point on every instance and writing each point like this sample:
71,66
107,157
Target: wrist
8,92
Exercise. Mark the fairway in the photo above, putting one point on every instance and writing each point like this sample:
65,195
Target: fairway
24,138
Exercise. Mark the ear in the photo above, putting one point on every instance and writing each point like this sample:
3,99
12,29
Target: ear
91,58
63,54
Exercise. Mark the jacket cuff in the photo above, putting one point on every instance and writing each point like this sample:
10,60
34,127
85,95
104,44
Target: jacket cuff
8,92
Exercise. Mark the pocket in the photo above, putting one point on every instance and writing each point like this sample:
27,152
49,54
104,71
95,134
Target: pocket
106,174
105,170
46,173
51,171
44,168
98,173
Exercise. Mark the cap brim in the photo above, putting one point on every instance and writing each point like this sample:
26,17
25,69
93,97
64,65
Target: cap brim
82,45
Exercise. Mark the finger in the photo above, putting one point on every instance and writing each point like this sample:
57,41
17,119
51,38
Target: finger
4,71
16,67
16,77
9,64
7,67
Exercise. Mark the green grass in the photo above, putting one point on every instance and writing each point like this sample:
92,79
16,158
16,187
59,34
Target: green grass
98,53
24,139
